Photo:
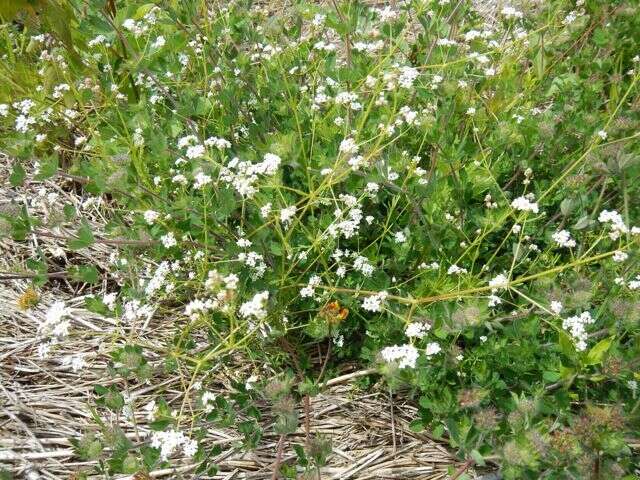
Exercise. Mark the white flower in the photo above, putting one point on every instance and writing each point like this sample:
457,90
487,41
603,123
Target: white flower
456,270
219,143
619,256
563,239
374,302
602,134
270,164
407,77
43,350
617,225
417,330
110,300
195,151
255,307
524,205
576,326
556,307
286,214
159,42
405,355
169,441
265,210
134,310
362,265
190,447
494,300
309,290
168,240
348,146
432,349
499,282
200,180
510,12
150,216
386,14
399,237
55,323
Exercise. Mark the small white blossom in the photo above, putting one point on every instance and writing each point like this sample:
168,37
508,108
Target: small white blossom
374,302
168,240
405,355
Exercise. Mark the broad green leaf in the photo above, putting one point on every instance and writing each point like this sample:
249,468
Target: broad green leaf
17,175
84,273
594,356
477,456
84,238
48,168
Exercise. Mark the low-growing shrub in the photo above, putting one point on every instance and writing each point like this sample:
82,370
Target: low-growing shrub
447,197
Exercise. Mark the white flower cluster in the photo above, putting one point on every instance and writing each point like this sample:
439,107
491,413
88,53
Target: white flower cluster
255,262
243,175
634,284
407,76
142,26
614,219
219,143
433,348
525,204
255,307
168,240
348,146
76,362
456,270
150,216
499,282
361,264
134,310
287,214
417,330
207,400
169,441
386,14
510,12
199,306
556,307
563,239
158,279
374,303
619,256
577,327
55,325
310,289
223,287
406,355
199,180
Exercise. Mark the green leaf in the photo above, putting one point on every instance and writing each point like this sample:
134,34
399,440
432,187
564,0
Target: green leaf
539,61
84,273
550,376
17,175
477,456
48,168
69,212
594,356
566,345
84,238
416,425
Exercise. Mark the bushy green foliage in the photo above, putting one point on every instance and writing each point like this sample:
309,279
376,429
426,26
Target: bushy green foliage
450,198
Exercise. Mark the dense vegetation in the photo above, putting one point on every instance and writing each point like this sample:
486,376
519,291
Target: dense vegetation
449,198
